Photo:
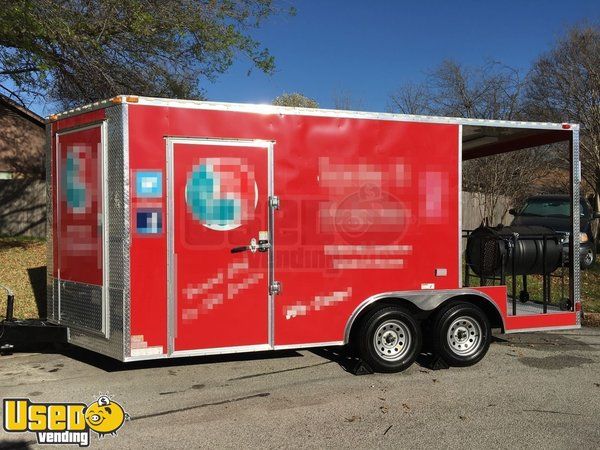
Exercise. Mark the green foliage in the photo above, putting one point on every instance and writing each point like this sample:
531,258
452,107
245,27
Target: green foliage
78,51
296,100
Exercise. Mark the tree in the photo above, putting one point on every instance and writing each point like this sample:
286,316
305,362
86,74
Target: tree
411,98
491,91
564,86
296,100
344,100
80,51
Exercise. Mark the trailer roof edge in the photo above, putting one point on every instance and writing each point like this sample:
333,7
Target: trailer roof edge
318,112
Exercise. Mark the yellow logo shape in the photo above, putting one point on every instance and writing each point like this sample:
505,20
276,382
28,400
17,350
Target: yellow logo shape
105,416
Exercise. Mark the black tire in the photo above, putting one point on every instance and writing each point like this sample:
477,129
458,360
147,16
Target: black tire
589,259
399,337
454,321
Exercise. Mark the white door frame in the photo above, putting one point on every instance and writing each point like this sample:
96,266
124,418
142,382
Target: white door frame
172,257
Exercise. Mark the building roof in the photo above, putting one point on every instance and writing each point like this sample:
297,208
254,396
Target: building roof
22,110
27,122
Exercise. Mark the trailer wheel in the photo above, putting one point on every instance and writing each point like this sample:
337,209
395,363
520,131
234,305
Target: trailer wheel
462,334
389,339
589,258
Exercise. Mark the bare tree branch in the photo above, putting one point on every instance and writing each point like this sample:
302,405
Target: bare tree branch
565,87
490,91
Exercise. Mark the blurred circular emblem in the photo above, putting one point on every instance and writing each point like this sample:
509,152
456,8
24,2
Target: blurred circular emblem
370,215
221,193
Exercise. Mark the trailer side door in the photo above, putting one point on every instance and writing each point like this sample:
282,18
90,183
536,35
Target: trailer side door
218,200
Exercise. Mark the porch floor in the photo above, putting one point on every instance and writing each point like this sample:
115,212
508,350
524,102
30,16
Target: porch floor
530,308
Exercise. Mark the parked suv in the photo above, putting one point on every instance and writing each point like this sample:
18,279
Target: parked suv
553,211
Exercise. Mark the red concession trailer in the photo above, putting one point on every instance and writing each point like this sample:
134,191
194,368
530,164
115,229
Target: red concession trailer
181,228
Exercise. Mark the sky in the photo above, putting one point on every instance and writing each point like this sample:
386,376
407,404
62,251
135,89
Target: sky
368,48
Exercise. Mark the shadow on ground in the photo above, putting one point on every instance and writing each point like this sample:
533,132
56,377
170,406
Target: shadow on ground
21,443
339,355
37,279
8,243
354,365
111,365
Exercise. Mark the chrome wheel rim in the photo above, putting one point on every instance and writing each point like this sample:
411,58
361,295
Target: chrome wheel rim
464,336
589,258
392,340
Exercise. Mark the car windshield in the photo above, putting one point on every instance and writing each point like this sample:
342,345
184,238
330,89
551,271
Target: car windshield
550,208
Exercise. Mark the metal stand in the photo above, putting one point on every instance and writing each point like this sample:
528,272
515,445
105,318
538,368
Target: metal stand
17,333
524,294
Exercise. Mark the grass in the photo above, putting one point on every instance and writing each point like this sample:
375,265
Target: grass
23,269
590,288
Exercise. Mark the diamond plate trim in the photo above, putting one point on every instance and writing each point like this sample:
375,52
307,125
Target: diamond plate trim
81,305
113,346
574,242
51,298
117,171
127,236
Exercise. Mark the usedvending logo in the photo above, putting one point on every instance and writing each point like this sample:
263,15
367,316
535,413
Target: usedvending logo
63,423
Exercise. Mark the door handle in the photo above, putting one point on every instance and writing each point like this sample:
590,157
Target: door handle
261,246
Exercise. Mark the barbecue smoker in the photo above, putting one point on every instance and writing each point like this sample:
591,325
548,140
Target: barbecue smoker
495,253
181,228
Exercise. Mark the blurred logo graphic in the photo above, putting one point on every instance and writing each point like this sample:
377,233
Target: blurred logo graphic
221,193
74,179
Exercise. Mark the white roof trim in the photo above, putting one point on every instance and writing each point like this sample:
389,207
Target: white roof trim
316,112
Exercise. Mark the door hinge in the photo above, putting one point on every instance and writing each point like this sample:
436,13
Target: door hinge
275,288
274,202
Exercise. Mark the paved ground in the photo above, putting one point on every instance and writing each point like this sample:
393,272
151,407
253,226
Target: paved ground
532,390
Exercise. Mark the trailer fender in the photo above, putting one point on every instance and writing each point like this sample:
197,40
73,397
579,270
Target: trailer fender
423,300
